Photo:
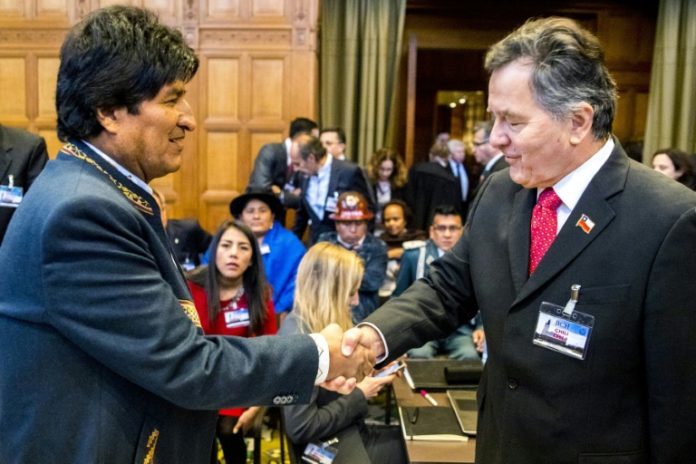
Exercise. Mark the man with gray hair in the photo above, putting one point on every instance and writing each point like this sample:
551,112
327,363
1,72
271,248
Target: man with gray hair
583,275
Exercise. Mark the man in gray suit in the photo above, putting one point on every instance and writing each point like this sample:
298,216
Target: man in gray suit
591,351
22,157
103,358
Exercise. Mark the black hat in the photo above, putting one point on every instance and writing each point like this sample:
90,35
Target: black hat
265,195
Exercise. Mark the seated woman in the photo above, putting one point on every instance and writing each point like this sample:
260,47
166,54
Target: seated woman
387,174
396,215
234,299
675,164
327,286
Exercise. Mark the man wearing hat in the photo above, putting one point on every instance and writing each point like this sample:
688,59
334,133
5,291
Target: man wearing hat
351,216
280,249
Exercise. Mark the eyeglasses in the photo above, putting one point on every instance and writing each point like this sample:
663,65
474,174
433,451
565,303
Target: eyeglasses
443,229
478,144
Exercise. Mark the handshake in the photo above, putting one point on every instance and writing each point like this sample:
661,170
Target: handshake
352,354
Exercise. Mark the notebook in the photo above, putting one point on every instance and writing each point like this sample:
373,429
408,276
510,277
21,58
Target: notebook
430,424
442,374
465,409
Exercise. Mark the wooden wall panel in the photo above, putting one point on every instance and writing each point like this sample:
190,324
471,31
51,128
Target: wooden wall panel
47,72
267,89
10,9
13,90
222,89
267,9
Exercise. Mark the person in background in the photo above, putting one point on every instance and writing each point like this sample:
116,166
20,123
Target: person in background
233,299
280,249
326,179
465,343
457,159
189,240
486,155
676,165
387,175
398,238
22,157
577,238
352,216
273,168
93,304
334,141
327,286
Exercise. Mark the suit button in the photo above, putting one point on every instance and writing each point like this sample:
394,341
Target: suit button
276,400
512,383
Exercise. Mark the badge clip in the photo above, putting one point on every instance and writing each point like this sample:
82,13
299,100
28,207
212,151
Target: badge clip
10,181
570,305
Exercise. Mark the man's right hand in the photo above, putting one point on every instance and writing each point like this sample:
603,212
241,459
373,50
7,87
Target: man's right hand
354,364
363,337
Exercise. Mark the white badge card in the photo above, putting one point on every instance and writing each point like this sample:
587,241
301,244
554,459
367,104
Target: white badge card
237,318
10,196
319,454
568,334
331,203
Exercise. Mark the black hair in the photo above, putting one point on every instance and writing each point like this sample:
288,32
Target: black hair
116,57
302,126
256,288
340,133
408,214
444,210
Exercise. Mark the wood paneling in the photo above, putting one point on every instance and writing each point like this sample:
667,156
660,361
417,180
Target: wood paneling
258,71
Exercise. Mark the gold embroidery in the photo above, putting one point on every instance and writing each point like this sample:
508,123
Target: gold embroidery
139,202
190,311
151,446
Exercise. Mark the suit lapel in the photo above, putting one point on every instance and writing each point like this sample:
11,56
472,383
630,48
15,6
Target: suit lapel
572,239
518,236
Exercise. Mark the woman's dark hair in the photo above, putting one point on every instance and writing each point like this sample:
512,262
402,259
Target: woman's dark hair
680,160
116,57
256,289
408,215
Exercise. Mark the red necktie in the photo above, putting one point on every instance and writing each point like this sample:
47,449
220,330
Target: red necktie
543,227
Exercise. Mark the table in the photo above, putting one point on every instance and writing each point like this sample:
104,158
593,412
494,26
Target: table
424,452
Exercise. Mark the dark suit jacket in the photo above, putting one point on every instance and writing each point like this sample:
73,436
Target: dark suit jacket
98,332
431,185
23,156
631,400
271,168
189,240
345,176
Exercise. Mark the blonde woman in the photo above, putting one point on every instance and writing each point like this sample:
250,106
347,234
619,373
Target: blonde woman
327,285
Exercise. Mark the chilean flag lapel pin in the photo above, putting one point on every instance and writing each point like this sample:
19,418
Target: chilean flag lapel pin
585,223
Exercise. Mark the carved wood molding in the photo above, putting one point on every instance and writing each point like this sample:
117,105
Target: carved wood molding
31,38
246,38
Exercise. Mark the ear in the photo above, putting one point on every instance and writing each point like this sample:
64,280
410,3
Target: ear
581,123
109,119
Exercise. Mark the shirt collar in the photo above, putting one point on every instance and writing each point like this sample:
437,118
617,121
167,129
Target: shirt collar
288,147
573,185
132,177
492,161
326,168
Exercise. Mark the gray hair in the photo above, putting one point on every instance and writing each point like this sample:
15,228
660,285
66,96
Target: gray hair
567,69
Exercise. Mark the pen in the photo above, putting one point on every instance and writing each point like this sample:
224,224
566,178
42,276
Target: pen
427,396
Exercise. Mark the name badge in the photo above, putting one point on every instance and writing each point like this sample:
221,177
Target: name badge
331,203
562,331
237,318
319,453
264,249
10,196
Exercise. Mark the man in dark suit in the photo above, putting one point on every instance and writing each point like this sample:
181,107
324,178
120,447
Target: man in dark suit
97,326
431,184
22,157
586,294
326,179
273,168
489,157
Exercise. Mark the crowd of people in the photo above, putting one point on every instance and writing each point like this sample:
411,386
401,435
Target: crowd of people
155,336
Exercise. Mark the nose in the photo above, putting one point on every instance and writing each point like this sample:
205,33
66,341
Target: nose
497,139
186,119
